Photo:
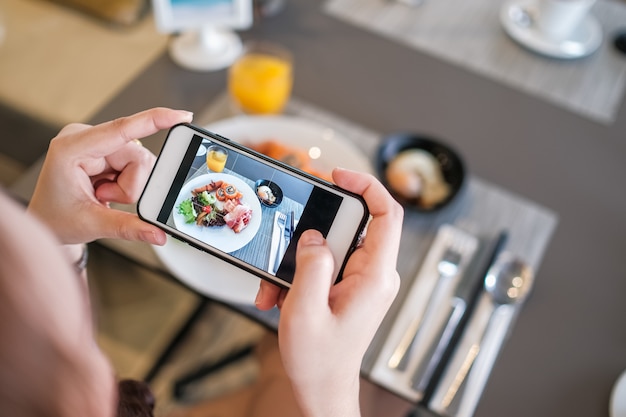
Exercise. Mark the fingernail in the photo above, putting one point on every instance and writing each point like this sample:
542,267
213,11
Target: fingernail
187,114
312,238
151,236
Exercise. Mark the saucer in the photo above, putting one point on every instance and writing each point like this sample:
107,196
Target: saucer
517,18
617,407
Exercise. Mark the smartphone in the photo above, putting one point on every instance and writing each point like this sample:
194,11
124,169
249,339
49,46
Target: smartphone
244,207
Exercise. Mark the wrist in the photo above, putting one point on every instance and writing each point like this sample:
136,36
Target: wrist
339,398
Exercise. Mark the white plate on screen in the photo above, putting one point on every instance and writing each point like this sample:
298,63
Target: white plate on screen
219,280
223,237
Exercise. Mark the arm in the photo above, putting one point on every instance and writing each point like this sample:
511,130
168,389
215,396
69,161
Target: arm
325,329
88,167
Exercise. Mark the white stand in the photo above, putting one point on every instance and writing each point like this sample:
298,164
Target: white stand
210,49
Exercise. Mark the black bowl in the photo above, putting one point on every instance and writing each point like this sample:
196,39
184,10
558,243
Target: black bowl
452,166
276,190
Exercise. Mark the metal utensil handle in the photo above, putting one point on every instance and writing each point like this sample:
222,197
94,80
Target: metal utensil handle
399,358
406,349
494,335
424,372
454,380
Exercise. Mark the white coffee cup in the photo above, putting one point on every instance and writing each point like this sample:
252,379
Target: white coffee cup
558,19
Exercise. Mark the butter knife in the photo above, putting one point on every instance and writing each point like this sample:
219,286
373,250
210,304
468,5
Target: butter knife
288,230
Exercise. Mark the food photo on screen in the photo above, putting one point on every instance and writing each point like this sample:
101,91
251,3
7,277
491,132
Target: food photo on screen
248,209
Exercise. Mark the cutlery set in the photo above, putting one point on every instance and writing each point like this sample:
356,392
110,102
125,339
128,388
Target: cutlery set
506,284
447,333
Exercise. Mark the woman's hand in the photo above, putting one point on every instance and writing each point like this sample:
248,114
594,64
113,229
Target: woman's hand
325,329
88,167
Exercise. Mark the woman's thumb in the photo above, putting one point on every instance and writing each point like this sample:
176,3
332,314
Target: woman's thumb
314,269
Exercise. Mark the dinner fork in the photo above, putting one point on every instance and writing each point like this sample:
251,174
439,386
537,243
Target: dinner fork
447,268
281,222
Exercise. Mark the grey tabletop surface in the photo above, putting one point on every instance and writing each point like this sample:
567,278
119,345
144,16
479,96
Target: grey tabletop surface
569,346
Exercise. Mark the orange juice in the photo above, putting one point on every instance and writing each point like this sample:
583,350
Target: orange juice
216,158
260,82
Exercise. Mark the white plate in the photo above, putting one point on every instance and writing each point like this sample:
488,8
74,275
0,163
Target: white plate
327,148
217,279
206,274
516,18
222,238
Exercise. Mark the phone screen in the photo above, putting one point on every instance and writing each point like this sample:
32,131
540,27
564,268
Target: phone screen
244,207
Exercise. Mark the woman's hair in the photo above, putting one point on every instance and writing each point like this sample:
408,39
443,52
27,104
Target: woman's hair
135,399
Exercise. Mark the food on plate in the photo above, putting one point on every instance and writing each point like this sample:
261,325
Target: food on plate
212,186
266,194
238,218
216,204
228,192
293,156
290,155
417,174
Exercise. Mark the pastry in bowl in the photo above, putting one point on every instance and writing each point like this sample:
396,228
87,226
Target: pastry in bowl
422,173
268,193
417,174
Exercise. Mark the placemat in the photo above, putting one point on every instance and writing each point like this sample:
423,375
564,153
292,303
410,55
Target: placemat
469,34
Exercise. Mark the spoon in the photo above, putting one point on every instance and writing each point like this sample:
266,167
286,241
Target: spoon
508,280
507,283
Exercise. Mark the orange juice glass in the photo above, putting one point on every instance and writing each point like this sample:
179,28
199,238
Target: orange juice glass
216,157
260,80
